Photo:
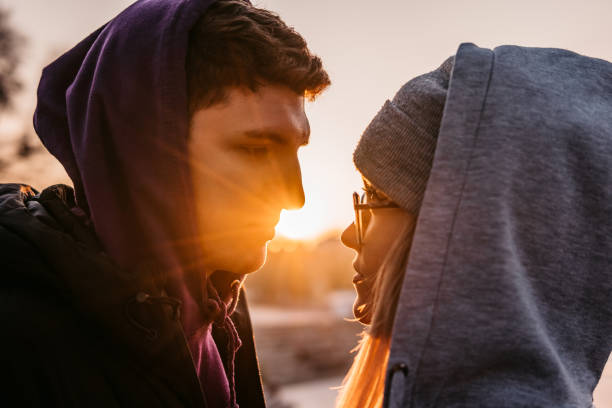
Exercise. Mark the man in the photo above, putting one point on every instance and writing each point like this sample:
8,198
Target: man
179,123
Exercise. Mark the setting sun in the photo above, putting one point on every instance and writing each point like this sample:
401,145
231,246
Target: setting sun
301,224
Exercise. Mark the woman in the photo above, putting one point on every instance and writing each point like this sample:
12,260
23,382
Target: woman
484,274
389,222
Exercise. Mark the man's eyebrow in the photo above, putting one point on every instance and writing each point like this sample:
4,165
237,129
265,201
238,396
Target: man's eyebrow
275,136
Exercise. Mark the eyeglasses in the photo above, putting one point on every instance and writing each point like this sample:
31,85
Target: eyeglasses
362,218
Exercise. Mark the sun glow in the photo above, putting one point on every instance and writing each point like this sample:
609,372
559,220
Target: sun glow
300,224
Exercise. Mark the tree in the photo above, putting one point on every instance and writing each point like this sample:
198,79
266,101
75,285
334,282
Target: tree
10,52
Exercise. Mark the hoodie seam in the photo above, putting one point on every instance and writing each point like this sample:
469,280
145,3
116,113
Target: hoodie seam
450,236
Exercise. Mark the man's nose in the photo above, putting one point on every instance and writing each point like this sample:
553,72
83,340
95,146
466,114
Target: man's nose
349,237
293,191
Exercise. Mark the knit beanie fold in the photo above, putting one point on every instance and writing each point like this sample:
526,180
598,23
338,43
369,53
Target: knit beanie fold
386,163
395,152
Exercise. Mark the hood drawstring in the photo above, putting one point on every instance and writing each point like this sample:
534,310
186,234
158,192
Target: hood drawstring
220,314
142,297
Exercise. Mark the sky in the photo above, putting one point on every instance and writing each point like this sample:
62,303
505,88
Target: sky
369,49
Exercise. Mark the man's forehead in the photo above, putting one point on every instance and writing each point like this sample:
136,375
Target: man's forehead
273,113
280,125
281,121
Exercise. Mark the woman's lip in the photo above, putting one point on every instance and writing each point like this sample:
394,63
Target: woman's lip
358,278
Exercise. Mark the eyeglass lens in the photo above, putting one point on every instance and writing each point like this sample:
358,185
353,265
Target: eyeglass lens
362,217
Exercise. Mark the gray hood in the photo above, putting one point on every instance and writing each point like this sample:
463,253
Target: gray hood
507,297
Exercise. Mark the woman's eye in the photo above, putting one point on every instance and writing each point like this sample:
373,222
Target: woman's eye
374,199
371,195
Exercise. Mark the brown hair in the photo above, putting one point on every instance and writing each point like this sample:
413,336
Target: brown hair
364,383
235,44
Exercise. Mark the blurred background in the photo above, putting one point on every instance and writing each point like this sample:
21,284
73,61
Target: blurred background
302,297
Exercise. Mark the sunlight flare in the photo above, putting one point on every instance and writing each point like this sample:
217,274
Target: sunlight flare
300,224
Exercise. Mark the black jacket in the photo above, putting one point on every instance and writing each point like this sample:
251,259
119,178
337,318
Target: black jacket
74,333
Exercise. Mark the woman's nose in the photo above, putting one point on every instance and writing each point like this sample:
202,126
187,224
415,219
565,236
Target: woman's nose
349,237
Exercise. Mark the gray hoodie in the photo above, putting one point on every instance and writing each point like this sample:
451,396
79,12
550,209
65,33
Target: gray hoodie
507,297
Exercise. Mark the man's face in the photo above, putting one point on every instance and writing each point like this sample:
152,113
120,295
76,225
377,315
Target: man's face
245,169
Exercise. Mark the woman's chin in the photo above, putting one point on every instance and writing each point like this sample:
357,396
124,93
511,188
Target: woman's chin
362,312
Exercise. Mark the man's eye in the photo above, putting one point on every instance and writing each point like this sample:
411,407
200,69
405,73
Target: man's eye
255,150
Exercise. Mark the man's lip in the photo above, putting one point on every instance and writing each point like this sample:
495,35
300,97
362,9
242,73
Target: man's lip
260,227
271,234
265,231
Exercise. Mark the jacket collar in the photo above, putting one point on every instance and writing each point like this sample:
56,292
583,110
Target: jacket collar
124,306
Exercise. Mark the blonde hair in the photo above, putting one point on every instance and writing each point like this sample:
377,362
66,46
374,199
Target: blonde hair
364,383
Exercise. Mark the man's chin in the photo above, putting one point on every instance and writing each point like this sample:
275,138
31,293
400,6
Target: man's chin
245,260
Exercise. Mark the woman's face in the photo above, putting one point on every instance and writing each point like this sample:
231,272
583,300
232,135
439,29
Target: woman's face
380,228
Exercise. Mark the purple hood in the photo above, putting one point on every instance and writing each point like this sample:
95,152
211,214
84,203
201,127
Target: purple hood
114,111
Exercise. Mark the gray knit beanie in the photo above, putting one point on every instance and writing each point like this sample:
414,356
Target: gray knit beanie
395,153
